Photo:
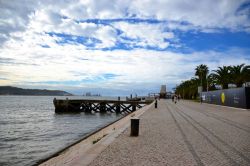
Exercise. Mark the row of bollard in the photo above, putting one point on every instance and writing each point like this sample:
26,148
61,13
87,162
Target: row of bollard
135,122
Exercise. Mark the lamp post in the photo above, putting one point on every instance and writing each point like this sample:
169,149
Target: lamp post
207,82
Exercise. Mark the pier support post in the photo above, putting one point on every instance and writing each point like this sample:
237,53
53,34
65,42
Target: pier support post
102,107
133,107
88,107
66,105
57,110
134,127
118,108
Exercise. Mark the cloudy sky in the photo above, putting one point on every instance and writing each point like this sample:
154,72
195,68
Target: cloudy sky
116,47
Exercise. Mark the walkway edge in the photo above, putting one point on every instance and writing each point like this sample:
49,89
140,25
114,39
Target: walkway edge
85,150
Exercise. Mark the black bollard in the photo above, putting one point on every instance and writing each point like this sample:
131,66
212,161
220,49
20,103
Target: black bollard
135,127
155,103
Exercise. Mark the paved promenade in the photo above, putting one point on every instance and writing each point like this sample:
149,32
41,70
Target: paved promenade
185,133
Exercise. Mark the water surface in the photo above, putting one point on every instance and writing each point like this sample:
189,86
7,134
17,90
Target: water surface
30,130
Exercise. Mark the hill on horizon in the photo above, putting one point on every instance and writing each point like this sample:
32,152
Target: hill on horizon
10,90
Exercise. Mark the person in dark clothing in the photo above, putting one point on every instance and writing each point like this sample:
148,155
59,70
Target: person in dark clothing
175,99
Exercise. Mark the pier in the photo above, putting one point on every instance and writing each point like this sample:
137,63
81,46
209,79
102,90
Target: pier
102,106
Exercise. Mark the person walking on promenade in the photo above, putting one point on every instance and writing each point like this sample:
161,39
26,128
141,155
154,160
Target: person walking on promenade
172,98
175,99
179,97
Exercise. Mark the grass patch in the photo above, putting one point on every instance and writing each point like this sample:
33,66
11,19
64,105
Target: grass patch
98,139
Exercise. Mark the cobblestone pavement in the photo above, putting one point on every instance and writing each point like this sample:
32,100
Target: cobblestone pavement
185,133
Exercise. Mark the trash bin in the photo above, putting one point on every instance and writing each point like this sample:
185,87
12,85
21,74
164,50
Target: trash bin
135,127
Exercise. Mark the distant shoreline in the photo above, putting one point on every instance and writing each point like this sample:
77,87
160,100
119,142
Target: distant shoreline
33,95
11,91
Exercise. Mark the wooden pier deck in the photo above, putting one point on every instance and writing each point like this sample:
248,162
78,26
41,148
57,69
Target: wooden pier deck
102,106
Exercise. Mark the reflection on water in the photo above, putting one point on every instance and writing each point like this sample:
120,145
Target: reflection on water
30,130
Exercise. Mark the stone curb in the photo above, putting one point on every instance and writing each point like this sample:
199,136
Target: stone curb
87,149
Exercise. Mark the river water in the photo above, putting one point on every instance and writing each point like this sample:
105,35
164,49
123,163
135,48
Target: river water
30,130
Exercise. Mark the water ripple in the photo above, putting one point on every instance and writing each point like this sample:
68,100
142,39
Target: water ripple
30,130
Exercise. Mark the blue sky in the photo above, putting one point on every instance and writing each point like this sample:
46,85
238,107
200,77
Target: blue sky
116,47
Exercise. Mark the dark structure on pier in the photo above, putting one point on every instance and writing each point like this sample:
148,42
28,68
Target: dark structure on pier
102,106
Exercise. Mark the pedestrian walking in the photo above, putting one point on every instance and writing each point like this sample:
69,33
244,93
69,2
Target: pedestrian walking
175,99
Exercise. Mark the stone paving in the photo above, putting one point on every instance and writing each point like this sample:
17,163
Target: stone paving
185,133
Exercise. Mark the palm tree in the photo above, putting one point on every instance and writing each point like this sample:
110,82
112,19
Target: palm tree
222,76
188,89
246,73
211,82
202,71
237,74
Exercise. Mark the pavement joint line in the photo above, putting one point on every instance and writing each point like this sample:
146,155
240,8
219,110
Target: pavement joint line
206,137
218,138
216,105
210,113
189,145
225,120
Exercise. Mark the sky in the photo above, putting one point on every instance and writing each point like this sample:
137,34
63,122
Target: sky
118,47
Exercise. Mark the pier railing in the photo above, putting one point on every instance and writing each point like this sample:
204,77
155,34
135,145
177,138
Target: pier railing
102,106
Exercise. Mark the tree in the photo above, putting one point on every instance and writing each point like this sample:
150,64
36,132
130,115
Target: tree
211,82
188,89
202,71
222,76
246,73
238,74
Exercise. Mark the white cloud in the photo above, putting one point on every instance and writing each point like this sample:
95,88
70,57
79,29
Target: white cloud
16,15
145,34
66,17
205,13
107,35
134,69
24,27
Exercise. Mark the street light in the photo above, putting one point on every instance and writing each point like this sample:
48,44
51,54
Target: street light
207,82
